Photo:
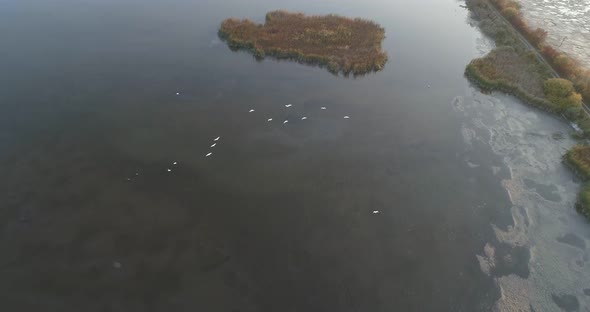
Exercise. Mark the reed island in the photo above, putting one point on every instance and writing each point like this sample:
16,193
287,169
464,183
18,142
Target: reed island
339,44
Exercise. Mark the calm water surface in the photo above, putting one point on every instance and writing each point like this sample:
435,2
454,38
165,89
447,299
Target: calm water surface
109,203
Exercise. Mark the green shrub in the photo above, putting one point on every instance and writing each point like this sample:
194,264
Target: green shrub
510,13
583,203
561,93
578,157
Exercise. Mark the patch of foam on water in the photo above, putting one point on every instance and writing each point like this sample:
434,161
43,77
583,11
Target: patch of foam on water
515,294
487,261
468,135
519,134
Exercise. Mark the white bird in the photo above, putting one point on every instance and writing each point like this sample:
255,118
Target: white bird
286,121
175,163
213,144
250,111
216,139
177,93
303,118
346,117
208,154
375,211
323,107
270,119
288,105
169,169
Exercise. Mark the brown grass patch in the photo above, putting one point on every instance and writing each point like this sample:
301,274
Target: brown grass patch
341,44
521,70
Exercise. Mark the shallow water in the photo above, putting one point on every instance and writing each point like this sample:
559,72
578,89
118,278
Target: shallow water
475,208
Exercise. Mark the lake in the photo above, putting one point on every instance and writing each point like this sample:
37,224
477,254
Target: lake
431,197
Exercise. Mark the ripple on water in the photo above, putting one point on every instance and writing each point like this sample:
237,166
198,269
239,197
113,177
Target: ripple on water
567,22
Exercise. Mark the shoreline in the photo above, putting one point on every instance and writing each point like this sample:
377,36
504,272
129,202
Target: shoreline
514,32
502,85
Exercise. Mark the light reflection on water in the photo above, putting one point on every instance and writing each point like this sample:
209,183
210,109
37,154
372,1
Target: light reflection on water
568,24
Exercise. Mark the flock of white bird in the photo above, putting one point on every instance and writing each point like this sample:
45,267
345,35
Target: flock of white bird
216,140
252,110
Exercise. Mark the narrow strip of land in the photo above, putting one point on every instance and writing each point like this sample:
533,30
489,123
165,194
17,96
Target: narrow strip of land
532,48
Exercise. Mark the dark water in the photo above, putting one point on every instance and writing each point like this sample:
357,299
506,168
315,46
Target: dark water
280,217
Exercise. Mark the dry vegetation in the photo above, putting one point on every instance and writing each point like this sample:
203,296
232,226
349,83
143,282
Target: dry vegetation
340,44
506,70
521,70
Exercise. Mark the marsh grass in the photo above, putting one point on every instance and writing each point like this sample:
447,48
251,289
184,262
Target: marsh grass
339,44
505,70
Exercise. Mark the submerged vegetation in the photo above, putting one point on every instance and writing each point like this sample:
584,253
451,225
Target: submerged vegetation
338,43
516,68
